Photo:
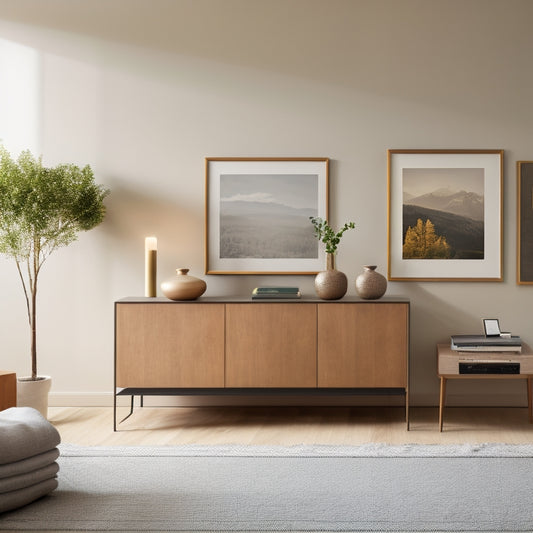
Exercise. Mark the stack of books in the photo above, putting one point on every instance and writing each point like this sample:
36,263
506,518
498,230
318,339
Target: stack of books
483,343
265,293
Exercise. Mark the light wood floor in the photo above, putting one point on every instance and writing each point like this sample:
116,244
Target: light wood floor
93,426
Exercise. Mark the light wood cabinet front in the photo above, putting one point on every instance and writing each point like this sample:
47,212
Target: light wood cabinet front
271,345
362,345
169,345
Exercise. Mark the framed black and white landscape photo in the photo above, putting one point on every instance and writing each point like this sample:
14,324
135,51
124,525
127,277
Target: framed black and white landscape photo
257,215
445,215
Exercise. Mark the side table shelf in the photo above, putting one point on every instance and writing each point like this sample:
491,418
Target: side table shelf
448,368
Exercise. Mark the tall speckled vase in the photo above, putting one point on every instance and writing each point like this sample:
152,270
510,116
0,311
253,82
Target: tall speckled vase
331,284
370,285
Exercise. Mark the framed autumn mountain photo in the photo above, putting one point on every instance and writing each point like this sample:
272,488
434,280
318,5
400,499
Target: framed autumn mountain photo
445,215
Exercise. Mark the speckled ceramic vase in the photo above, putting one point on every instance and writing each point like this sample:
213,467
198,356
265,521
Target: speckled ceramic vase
331,284
370,285
183,286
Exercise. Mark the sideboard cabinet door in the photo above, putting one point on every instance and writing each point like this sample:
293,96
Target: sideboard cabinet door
362,344
169,345
270,345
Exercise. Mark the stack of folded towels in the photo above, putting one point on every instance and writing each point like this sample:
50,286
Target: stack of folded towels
28,453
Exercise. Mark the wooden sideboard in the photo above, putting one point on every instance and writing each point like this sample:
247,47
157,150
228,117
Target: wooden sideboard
240,346
8,389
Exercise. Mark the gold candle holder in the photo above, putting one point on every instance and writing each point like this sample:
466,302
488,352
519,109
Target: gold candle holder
150,266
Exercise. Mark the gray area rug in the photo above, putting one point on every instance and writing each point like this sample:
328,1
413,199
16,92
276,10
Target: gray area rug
298,488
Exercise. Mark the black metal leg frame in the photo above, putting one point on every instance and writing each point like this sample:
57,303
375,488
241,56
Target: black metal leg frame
132,392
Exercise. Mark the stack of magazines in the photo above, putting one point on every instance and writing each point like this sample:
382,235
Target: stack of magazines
486,343
265,293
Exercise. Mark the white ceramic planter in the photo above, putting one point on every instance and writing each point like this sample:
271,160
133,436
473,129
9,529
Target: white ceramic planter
34,393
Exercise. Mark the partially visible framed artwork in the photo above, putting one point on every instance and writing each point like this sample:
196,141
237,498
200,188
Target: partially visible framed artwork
525,223
445,215
257,214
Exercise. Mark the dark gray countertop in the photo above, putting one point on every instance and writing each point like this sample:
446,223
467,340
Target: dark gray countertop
248,299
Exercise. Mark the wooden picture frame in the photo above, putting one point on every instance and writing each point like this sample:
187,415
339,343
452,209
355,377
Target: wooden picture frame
524,274
257,214
445,215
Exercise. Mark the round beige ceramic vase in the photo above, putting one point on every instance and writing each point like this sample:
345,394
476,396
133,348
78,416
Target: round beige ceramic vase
183,286
370,285
331,284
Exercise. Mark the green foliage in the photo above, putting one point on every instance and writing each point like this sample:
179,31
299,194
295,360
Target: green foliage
42,209
422,242
327,235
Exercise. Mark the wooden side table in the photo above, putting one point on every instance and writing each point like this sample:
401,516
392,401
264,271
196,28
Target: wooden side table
8,389
448,365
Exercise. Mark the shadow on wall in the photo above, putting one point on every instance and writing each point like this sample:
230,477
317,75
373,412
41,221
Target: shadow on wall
433,320
133,215
363,45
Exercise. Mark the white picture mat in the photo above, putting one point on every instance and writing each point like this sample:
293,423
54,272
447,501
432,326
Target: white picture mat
487,268
214,170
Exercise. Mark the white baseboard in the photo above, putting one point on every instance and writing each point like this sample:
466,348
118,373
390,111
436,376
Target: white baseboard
499,400
105,399
83,399
471,400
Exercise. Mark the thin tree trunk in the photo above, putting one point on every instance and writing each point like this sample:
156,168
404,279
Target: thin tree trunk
25,288
34,330
33,285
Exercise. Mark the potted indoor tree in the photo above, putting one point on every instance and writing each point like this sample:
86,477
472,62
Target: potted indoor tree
42,209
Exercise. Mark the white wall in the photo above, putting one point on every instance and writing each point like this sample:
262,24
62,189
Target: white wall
144,90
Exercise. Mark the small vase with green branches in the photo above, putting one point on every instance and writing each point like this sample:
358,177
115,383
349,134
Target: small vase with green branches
330,284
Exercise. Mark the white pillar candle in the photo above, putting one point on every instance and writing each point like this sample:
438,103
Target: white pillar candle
150,266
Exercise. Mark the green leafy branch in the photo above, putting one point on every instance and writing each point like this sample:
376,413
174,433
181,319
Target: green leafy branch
325,233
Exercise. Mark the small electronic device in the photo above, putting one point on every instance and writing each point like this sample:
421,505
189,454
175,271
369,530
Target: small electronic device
489,367
492,327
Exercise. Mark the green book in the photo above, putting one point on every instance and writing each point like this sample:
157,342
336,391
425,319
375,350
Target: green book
278,296
276,290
